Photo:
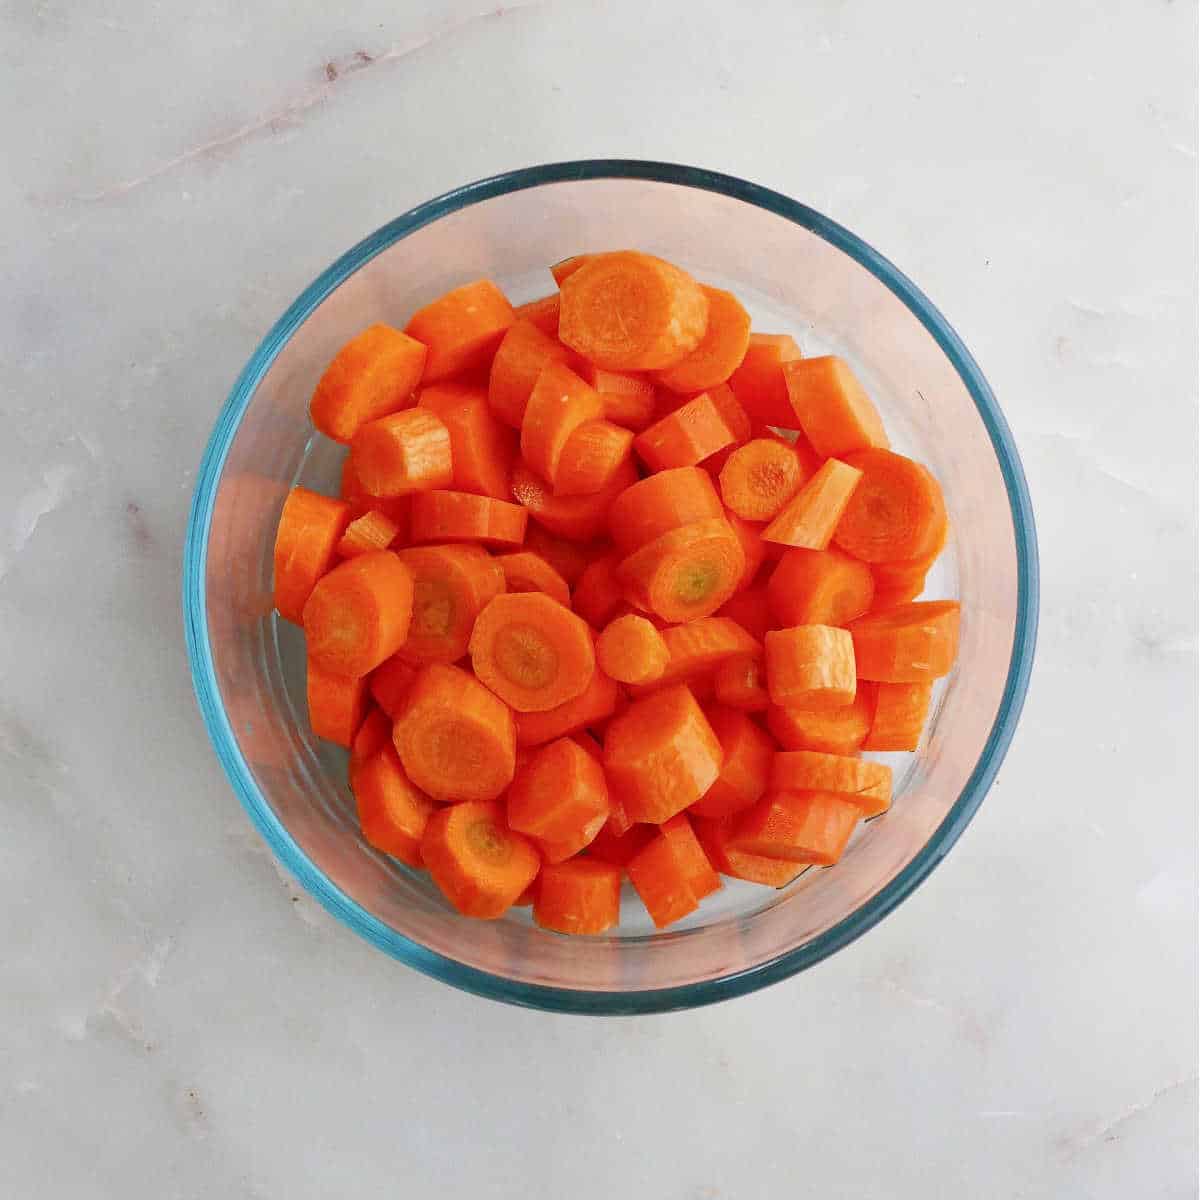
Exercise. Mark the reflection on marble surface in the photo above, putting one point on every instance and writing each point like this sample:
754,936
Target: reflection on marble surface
178,1018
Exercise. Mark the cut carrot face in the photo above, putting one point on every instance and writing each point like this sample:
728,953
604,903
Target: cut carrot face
560,799
659,503
759,478
810,666
628,311
581,897
451,585
898,714
455,738
599,593
406,452
464,517
618,848
337,704
481,447
693,432
715,836
819,587
389,684
896,512
372,531
461,329
689,854
533,652
758,382
310,528
911,643
832,409
749,609
631,650
805,827
578,518
541,313
480,865
562,271
866,784
523,354
595,704
747,767
373,734
629,397
526,572
568,558
720,351
392,812
662,882
702,645
371,375
809,519
832,730
594,453
741,683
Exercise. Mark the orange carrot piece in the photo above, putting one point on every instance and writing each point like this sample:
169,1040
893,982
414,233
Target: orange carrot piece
831,407
685,437
896,511
337,704
392,812
702,645
451,585
631,650
522,356
599,593
558,405
372,531
689,854
736,420
809,519
749,609
462,328
310,527
759,384
807,827
819,587
560,799
720,351
527,897
898,713
810,666
373,734
596,703
578,518
533,652
903,580
359,613
456,740
464,517
481,866
526,572
390,681
541,313
759,478
661,881
715,836
911,643
481,447
629,397
361,502
594,453
618,848
867,784
661,755
754,549
568,558
585,741
408,451
741,683
581,897
562,271
833,730
662,502
748,753
370,376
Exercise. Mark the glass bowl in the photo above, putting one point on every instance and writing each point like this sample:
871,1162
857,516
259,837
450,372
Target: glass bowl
798,272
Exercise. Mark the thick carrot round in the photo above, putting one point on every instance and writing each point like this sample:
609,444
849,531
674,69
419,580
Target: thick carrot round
629,311
832,730
541,313
560,799
390,681
533,652
461,329
580,897
809,519
720,351
629,397
594,453
372,375
443,516
451,585
715,836
758,382
406,452
911,643
866,784
559,403
831,407
806,827
662,882
372,531
685,437
594,705
689,854
759,478
525,351
526,572
747,767
578,518
480,865
310,527
455,738
599,594
481,447
659,503
749,609
896,511
898,712
631,650
810,666
337,704
392,812
819,587
373,734
741,682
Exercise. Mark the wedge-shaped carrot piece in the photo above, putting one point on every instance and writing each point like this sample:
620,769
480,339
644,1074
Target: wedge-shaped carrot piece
372,375
462,328
629,311
810,517
595,704
805,827
406,452
867,784
594,453
581,897
372,531
701,877
754,549
337,704
720,351
702,645
715,835
542,313
533,652
481,447
662,882
390,681
749,609
760,477
563,270
741,683
898,712
373,734
619,848
451,585
629,397
568,558
481,866
662,502
685,437
523,354
454,737
631,650
737,421
819,587
578,518
392,812
599,593
310,527
758,382
526,572
560,799
444,516
359,614
832,730
747,767
810,666
896,511
833,410
911,643
661,755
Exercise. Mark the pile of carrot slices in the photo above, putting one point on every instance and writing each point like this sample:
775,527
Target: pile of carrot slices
614,587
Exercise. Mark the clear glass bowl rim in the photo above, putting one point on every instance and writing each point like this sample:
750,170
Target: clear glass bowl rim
499,987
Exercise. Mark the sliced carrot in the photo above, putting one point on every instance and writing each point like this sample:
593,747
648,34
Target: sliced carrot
372,531
454,737
310,527
563,270
629,397
685,437
406,452
579,518
689,854
618,848
715,836
533,652
596,703
898,713
585,741
720,351
594,453
631,650
526,572
392,812
749,609
903,580
807,827
832,730
451,585
523,354
443,516
702,645
741,683
810,666
481,866
359,613
542,313
599,593
337,704
748,753
373,734
896,511
759,384
754,549
738,422
809,519
462,328
372,375
481,447
361,502
759,478
867,784
581,897
911,643
831,407
568,558
819,587
662,502
560,799
661,755
390,681
661,881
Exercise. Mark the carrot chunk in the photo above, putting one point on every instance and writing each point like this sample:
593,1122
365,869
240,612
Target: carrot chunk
740,682
443,516
749,609
631,650
541,313
810,666
809,519
390,681
599,593
898,713
461,329
661,881
581,897
748,753
337,704
754,549
392,812
720,351
522,356
408,451
578,518
806,827
662,502
758,382
715,835
481,447
560,799
832,730
834,412
867,784
819,587
451,585
596,703
760,477
372,531
629,397
911,643
896,511
593,455
562,271
689,854
685,437
558,405
310,527
526,572
373,734
702,645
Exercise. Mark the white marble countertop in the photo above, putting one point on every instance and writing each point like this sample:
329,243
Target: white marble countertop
177,1019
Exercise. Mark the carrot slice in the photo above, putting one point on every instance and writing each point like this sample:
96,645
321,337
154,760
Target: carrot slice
533,652
685,437
662,502
720,351
661,881
896,511
911,643
631,650
747,766
372,531
390,681
594,453
481,867
833,730
754,549
810,666
361,502
462,328
562,271
689,854
629,397
568,558
819,587
579,518
392,812
526,572
373,734
661,755
372,375
481,447
618,848
558,405
749,609
359,613
867,784
807,827
715,837
599,593
522,356
337,704
759,478
759,384
596,703
831,407
741,683
898,713
809,519
541,313
560,799
581,897
310,528
702,645
406,452
463,517
451,585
